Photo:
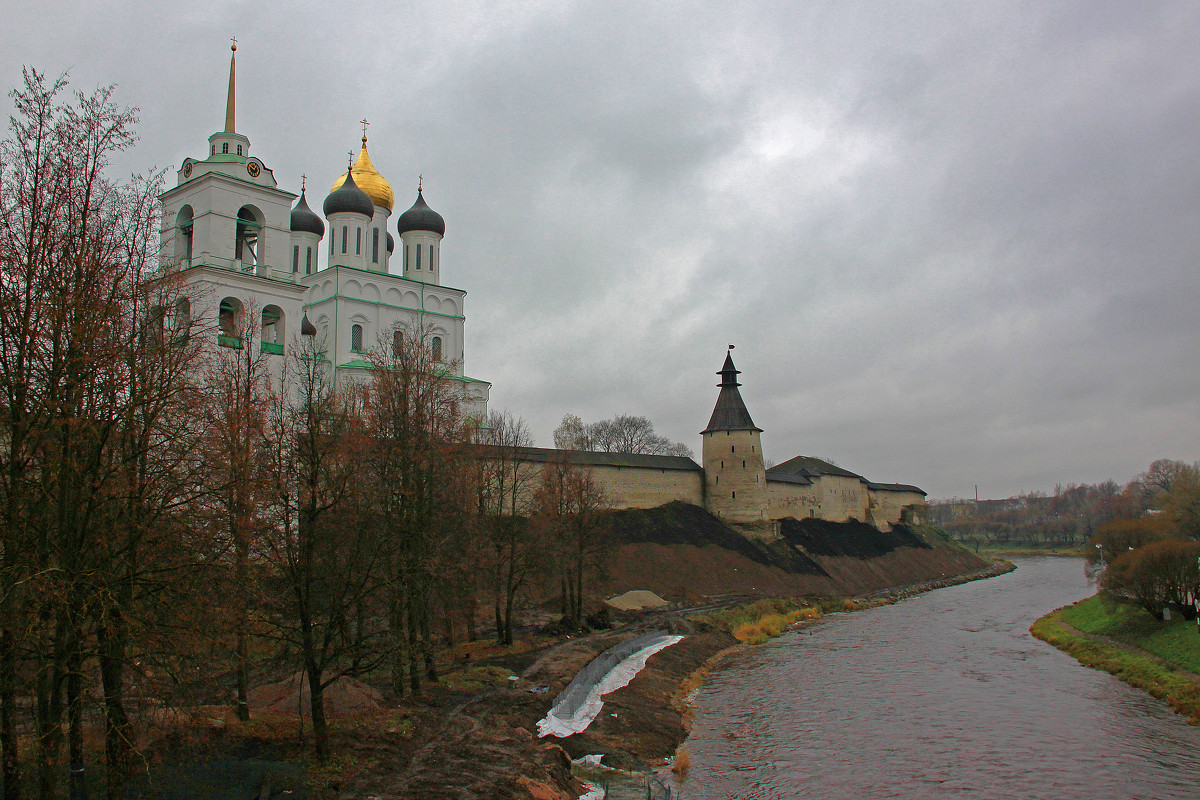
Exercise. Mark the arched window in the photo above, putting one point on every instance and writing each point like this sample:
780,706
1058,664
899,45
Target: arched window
308,262
431,257
375,246
229,322
331,238
436,346
224,148
272,330
249,224
358,241
295,258
239,149
397,342
183,241
406,256
418,256
356,338
344,229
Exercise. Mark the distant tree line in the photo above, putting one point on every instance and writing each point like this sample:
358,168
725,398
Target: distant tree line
176,518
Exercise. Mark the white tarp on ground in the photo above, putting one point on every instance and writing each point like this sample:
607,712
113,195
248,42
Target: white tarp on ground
615,678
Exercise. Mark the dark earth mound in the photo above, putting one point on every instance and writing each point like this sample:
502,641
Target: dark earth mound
851,538
681,523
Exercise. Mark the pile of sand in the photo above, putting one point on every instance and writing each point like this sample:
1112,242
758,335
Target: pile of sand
636,600
345,697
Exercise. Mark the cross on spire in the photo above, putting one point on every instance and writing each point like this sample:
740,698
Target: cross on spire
349,160
303,183
420,181
364,124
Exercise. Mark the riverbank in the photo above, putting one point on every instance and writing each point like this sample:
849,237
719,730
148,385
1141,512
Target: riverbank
1161,658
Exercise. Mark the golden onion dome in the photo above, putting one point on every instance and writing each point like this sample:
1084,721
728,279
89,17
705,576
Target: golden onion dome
369,180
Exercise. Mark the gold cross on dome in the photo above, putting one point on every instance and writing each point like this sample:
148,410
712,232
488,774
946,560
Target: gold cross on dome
420,182
303,182
233,40
364,124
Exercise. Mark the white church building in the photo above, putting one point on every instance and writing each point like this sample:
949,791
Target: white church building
243,248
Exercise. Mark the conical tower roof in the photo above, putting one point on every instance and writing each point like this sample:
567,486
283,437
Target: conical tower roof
730,413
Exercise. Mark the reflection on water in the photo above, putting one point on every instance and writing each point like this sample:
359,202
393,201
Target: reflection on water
943,695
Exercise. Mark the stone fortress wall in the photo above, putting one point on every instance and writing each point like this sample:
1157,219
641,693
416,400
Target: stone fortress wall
733,483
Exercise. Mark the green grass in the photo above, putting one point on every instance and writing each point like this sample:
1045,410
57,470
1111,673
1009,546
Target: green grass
1176,642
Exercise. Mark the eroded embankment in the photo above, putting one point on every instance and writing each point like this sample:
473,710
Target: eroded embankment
683,553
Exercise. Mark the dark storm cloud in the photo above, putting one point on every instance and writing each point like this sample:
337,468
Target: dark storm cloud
955,243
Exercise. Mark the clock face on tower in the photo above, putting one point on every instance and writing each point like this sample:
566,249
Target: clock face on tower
187,168
253,169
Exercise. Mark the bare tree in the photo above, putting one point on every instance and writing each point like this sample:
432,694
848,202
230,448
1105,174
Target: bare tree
420,478
623,433
327,571
570,508
506,492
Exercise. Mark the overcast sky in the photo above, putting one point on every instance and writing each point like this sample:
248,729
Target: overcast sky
954,243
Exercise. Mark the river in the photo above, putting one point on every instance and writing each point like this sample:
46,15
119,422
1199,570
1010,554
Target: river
942,695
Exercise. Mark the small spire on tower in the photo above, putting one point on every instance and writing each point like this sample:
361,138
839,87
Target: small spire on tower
229,100
364,124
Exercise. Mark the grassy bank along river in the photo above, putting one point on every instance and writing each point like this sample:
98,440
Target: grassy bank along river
1159,657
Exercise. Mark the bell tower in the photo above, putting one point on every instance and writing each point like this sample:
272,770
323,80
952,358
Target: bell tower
735,480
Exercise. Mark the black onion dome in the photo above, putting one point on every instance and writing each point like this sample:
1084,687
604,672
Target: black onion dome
306,327
421,218
348,198
305,220
391,244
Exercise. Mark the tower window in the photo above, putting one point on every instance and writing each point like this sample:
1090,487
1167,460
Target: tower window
418,256
356,338
732,448
358,242
735,495
214,150
344,238
225,148
308,262
722,465
239,149
743,463
431,257
331,238
295,258
406,256
375,245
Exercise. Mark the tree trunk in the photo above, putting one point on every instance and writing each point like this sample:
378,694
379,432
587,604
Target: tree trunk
316,695
118,732
414,675
48,724
396,632
10,771
78,788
